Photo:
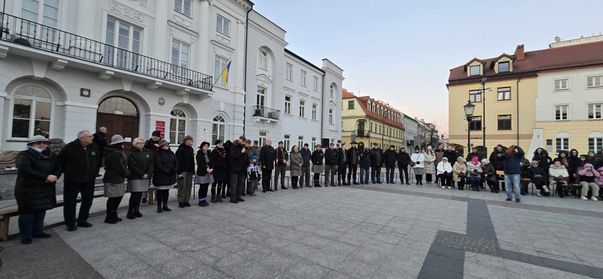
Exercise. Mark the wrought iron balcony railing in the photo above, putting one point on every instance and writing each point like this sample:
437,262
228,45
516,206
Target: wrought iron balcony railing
32,34
265,112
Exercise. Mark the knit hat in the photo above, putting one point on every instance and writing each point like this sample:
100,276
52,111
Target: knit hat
37,138
254,157
117,139
156,134
187,137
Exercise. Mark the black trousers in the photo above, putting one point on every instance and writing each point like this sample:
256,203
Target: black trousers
341,175
112,205
446,179
162,197
71,190
266,177
216,189
403,169
316,178
203,191
352,171
428,177
134,203
294,180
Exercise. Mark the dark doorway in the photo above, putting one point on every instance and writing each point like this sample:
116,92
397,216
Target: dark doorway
120,116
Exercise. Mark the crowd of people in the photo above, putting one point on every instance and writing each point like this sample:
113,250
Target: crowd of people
235,169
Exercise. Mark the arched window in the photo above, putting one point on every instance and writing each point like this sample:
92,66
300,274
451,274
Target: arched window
332,91
31,112
177,126
218,128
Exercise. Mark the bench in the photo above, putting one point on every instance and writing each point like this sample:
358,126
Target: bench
5,216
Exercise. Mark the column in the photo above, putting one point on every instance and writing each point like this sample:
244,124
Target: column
240,59
206,61
160,37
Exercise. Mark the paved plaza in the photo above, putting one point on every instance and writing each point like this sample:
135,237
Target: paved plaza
365,231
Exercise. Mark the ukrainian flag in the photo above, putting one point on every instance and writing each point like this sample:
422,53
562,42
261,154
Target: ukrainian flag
225,72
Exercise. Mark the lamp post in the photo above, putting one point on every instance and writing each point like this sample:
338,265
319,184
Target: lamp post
483,82
469,108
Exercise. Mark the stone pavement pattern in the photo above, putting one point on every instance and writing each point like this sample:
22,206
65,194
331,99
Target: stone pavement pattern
374,231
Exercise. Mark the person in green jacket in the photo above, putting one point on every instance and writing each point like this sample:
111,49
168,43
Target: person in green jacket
116,171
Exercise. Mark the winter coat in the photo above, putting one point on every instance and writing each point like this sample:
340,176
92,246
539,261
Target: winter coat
186,158
390,158
497,159
218,158
267,157
459,168
444,167
32,192
512,163
365,159
100,139
429,163
536,173
237,160
306,157
202,164
588,176
331,157
152,146
473,154
341,159
353,156
296,163
140,162
451,155
544,160
403,159
574,163
376,157
474,170
490,173
116,165
317,157
555,172
599,179
79,162
418,159
165,167
281,157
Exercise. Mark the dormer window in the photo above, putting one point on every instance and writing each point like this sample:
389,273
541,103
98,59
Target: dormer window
504,67
475,70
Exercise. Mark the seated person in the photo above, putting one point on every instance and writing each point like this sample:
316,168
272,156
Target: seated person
537,175
588,175
444,172
474,173
559,177
489,174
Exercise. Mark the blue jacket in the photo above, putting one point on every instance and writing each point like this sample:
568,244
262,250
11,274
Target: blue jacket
513,163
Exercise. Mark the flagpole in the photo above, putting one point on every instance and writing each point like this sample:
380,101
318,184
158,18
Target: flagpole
221,74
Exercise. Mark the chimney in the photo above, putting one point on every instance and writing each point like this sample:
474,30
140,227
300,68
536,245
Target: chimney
519,53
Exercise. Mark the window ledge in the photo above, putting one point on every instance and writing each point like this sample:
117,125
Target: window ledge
17,140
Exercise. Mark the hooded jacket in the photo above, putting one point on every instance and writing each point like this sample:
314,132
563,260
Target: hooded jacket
588,176
544,160
116,165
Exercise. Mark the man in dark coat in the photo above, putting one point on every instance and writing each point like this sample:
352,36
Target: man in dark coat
330,165
218,157
497,158
390,164
341,165
151,145
186,168
267,158
474,153
237,159
365,164
376,163
403,159
79,163
100,139
352,156
451,154
305,170
281,165
317,164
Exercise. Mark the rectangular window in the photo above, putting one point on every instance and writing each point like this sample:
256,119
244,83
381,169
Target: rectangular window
45,12
263,60
302,78
475,96
223,25
124,36
561,112
504,122
180,53
260,99
315,83
302,108
314,108
313,143
351,105
475,70
287,104
595,111
595,144
503,94
562,144
289,72
287,142
595,81
504,67
300,142
331,116
262,139
183,7
476,123
561,84
219,65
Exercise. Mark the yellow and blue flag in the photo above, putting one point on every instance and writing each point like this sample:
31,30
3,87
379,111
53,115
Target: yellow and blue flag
225,73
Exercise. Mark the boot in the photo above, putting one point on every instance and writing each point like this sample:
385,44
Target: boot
165,207
130,214
110,219
159,207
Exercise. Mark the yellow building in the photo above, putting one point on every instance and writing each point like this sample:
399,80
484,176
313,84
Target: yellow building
371,121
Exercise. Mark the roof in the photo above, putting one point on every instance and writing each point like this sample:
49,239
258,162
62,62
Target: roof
583,55
363,101
303,60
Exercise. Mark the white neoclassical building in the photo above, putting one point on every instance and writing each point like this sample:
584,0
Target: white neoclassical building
136,66
288,97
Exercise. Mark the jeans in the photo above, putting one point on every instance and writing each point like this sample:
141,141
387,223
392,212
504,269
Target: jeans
304,179
512,181
389,174
364,175
475,181
72,189
184,187
31,223
376,174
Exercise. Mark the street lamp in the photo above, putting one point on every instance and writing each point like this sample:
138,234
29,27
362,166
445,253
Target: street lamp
469,108
483,82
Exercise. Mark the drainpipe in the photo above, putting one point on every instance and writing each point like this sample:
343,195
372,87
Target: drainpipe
517,116
322,108
245,68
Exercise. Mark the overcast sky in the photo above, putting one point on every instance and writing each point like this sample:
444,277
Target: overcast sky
401,51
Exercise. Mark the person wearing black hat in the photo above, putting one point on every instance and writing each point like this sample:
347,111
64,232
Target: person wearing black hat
267,158
390,164
205,168
164,177
116,172
186,167
304,178
403,160
78,160
220,174
281,166
353,156
37,172
341,164
317,164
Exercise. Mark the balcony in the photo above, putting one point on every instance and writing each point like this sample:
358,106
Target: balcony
362,133
266,113
30,34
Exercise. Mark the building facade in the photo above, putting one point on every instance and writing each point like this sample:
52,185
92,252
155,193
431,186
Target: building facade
371,121
289,98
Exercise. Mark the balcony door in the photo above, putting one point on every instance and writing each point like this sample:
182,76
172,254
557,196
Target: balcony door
125,41
41,19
